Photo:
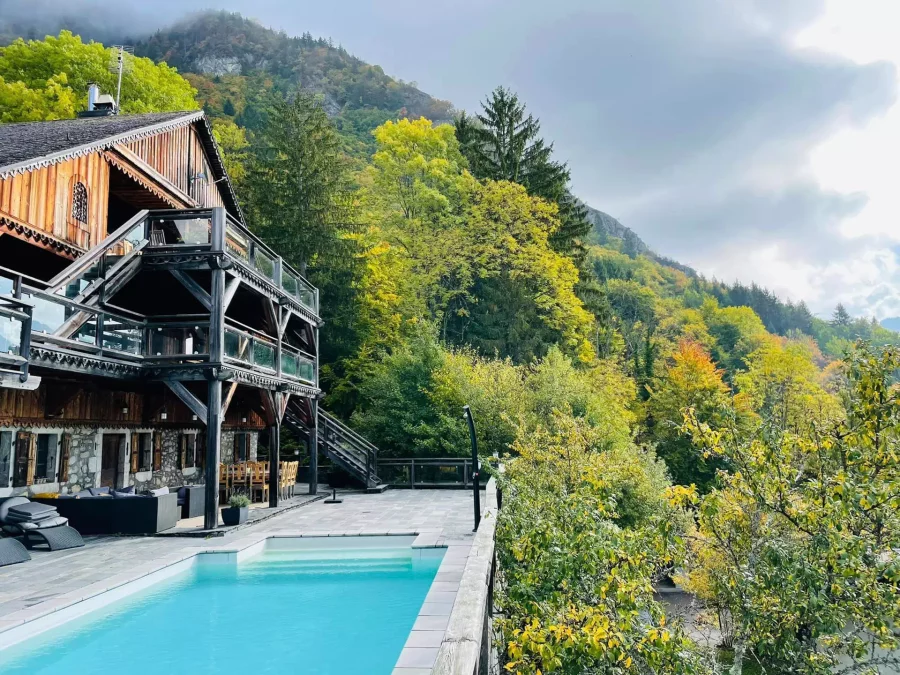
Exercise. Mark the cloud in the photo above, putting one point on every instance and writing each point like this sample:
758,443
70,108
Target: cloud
708,127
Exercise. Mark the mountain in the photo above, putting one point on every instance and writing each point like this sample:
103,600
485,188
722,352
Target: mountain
891,323
227,56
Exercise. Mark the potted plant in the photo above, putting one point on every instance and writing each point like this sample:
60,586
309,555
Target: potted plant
237,511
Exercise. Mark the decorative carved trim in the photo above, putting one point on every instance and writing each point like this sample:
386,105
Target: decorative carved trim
126,168
102,144
61,359
27,232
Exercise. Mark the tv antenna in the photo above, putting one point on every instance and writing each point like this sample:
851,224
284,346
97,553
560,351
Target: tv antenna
118,64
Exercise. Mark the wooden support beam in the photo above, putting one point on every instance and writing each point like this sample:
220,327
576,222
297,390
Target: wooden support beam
186,397
285,319
271,316
196,289
285,399
230,289
213,443
275,454
268,406
228,397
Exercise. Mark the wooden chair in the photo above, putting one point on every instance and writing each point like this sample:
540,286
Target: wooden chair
258,479
224,482
293,484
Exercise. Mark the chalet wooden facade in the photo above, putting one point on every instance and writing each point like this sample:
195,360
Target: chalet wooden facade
146,335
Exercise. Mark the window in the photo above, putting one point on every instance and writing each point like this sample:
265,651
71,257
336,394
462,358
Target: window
35,458
45,460
79,203
187,451
241,447
141,452
5,457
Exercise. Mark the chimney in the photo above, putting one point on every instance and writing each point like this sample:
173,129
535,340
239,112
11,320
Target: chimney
93,93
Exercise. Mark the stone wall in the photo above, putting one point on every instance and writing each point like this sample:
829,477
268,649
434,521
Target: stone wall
85,459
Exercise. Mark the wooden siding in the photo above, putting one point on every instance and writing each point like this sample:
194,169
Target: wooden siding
105,408
178,155
42,199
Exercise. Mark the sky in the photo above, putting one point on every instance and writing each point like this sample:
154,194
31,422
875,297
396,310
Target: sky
755,140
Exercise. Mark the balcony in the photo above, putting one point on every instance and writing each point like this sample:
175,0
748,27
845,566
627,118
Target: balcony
68,317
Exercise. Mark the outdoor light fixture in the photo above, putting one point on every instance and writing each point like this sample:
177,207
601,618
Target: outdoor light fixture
124,409
163,415
194,417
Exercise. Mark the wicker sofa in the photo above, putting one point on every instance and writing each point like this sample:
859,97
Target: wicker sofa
103,514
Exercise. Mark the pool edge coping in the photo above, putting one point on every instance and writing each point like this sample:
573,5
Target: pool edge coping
61,609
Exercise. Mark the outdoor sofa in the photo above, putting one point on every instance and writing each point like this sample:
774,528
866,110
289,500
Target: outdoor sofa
100,511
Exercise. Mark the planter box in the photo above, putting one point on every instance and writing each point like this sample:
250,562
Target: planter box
235,516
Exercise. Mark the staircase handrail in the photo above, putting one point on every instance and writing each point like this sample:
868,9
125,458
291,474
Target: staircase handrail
348,431
89,258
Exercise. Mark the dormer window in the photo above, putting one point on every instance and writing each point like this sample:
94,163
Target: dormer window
80,203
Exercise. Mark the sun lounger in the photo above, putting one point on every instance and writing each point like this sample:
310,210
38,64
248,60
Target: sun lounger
37,524
12,552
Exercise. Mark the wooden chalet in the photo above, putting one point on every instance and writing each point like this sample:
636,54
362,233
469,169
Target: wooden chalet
146,335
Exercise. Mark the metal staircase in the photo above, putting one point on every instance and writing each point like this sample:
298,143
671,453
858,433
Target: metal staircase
343,446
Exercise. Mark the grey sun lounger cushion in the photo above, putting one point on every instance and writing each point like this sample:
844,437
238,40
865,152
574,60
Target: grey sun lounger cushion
43,524
31,511
12,552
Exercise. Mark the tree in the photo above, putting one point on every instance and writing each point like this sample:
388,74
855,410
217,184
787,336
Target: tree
298,187
502,143
690,383
578,564
840,317
48,79
233,145
798,549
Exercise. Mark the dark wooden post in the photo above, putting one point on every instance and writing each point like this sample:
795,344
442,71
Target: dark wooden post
216,352
314,447
213,440
274,463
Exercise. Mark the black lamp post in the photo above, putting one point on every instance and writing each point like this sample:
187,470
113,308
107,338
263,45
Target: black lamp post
475,467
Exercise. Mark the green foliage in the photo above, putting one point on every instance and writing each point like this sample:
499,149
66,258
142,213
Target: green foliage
578,562
297,184
799,546
239,501
234,147
502,144
48,79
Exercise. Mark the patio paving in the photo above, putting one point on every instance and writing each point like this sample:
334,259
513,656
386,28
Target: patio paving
444,515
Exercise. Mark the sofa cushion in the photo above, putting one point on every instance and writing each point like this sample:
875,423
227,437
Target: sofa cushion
120,494
97,491
127,490
159,492
6,505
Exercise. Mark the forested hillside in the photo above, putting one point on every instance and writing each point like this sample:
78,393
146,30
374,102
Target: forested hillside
653,422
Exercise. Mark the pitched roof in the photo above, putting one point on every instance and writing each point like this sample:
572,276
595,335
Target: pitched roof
29,145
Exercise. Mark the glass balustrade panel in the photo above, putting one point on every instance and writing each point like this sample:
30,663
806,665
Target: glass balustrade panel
178,231
263,354
121,336
10,335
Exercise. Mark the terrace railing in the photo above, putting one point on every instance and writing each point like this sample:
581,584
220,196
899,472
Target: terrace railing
15,333
197,229
430,473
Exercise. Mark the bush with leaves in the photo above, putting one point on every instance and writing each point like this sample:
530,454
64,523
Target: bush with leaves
580,538
799,547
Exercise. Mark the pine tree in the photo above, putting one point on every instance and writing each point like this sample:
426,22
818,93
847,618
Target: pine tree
840,317
503,143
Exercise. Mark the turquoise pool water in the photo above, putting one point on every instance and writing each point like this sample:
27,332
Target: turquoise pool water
311,613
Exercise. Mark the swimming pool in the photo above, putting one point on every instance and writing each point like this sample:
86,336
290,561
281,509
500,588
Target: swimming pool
342,609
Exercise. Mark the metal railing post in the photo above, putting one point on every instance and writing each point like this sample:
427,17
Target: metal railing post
412,474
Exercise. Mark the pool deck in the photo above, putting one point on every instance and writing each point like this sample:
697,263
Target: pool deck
55,580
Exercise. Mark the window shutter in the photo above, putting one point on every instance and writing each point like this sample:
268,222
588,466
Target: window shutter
135,452
200,450
236,451
52,457
182,450
21,467
157,451
32,458
65,449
